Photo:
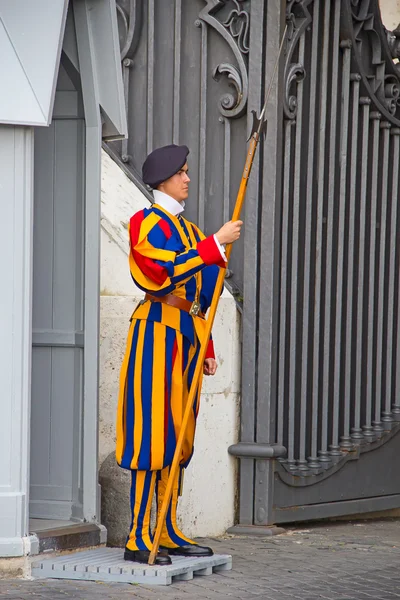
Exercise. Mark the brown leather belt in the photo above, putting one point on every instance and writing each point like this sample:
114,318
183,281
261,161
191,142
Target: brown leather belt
193,308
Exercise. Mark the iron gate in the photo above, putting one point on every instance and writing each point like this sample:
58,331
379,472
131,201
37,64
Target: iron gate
338,395
317,274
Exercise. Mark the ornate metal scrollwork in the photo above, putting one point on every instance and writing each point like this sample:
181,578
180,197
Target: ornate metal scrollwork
129,13
232,21
238,23
298,19
373,55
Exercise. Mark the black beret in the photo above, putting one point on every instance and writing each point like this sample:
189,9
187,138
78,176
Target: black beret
162,163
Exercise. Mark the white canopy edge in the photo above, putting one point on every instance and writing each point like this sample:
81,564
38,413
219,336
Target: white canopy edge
31,35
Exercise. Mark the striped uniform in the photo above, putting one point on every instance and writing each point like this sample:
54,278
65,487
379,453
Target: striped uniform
168,255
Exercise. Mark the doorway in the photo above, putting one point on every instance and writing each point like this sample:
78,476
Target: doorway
56,481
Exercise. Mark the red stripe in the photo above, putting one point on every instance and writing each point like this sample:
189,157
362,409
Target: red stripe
209,252
149,267
164,226
165,411
210,350
134,226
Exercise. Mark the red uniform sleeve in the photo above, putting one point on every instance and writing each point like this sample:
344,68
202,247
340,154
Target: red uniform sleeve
210,350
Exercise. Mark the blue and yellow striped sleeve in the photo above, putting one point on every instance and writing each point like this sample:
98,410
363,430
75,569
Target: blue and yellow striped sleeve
159,260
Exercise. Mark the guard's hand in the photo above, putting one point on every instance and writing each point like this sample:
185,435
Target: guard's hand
230,232
210,366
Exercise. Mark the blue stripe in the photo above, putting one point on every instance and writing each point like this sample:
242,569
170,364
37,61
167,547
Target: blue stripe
209,279
187,326
185,229
129,402
168,266
144,461
157,237
185,351
170,222
172,533
196,233
183,258
190,289
132,499
142,512
170,433
155,312
177,278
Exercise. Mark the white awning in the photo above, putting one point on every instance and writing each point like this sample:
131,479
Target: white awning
31,35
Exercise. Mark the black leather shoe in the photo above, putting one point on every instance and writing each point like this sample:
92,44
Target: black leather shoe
190,550
142,556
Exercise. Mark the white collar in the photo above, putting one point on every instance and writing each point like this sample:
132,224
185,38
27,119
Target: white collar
168,203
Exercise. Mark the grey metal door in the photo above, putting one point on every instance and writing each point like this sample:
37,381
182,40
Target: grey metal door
338,407
58,293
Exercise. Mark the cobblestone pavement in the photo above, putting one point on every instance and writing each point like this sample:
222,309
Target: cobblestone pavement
338,561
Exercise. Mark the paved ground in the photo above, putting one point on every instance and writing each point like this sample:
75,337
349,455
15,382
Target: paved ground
341,561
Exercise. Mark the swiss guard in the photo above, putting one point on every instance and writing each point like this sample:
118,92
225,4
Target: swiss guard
176,266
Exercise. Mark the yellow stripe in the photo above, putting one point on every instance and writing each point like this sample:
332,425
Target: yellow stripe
140,478
171,316
187,266
147,225
142,310
151,494
146,249
177,387
121,426
137,390
158,392
143,280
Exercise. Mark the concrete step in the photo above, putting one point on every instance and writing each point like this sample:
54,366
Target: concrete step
69,536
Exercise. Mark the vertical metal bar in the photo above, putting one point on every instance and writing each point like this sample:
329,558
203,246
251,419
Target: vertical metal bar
126,68
150,76
177,70
227,167
302,463
267,372
356,432
368,430
283,292
313,462
329,274
323,455
392,274
381,312
250,322
341,346
203,125
346,441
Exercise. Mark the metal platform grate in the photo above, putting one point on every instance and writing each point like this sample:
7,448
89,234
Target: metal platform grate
108,564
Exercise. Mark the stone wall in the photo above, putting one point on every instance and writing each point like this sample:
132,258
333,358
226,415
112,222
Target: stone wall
208,504
390,10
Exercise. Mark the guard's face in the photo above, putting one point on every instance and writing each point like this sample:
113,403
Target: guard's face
177,186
